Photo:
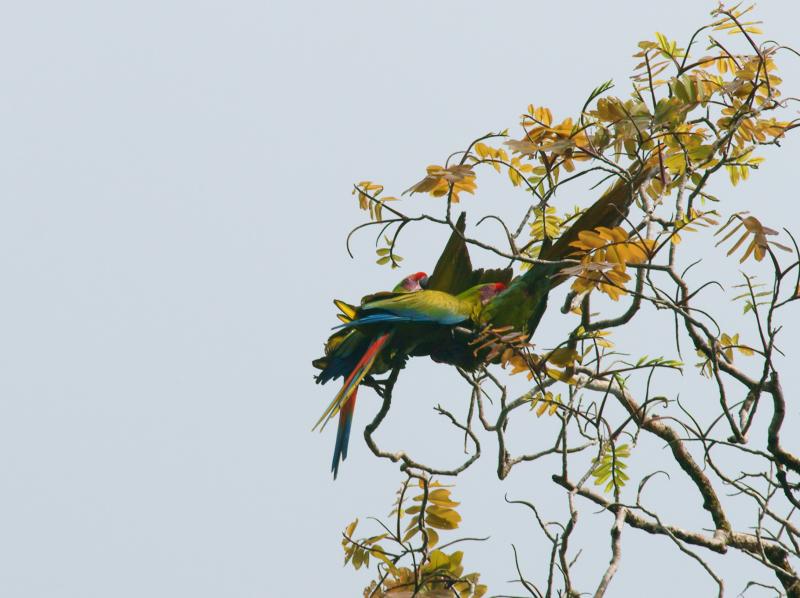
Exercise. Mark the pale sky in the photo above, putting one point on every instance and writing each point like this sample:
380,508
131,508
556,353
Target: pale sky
175,183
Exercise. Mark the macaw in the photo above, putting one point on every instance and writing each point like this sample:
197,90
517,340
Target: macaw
452,274
396,325
346,348
524,302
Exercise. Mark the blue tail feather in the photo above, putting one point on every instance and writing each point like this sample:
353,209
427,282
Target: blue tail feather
342,441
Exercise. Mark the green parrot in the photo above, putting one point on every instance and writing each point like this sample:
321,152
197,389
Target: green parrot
522,305
343,352
392,327
346,348
524,302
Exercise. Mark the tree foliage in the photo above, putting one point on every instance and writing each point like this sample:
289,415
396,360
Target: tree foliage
691,115
415,566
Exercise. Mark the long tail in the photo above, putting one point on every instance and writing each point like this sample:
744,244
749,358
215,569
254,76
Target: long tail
344,401
343,432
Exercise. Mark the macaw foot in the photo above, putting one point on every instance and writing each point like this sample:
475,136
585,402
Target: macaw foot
377,385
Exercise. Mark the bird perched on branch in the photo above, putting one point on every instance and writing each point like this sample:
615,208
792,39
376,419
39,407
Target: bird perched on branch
393,327
345,350
522,305
440,315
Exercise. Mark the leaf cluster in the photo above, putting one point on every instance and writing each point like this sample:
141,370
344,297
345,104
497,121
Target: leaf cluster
414,567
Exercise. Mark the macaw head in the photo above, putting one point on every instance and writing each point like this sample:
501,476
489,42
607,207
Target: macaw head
490,291
413,282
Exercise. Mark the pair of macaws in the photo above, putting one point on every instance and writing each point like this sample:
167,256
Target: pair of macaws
384,330
419,315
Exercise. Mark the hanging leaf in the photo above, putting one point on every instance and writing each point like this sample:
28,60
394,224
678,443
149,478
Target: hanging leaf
759,244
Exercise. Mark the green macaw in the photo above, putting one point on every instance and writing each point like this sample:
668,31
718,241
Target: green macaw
343,352
395,325
343,343
524,302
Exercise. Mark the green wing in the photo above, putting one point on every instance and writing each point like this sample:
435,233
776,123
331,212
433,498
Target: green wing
609,211
454,273
453,270
524,302
422,306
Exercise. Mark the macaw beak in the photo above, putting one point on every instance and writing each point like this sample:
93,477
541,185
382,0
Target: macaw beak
423,282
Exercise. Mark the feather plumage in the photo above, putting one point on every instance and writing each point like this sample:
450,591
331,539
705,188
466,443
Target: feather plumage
351,354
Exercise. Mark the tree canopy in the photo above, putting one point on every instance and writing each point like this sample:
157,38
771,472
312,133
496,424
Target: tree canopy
698,110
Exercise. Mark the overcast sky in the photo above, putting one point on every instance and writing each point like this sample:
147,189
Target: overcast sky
175,182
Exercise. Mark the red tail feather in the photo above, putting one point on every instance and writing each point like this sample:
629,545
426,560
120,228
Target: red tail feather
346,398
